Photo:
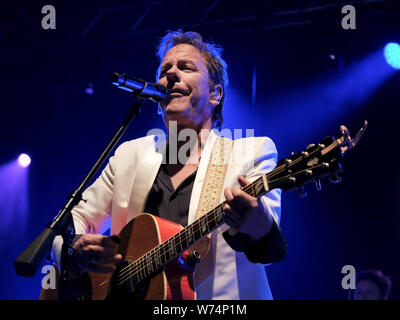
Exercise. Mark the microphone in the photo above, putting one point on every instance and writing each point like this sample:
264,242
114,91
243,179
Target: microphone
145,90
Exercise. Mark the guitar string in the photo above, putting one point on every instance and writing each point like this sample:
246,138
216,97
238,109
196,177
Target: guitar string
126,272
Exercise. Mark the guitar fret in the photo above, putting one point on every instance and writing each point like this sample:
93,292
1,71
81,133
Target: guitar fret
189,235
181,241
212,219
203,226
153,264
172,248
141,274
147,266
157,258
165,251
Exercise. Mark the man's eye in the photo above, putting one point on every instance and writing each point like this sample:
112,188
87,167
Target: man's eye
191,69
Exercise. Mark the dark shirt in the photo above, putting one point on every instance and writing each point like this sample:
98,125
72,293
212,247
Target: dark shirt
167,203
173,205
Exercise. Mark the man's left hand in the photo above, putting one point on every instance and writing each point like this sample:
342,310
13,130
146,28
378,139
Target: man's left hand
245,213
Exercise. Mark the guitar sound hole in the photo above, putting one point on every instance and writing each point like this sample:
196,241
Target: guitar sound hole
126,289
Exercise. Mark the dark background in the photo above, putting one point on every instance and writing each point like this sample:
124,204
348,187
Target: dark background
283,45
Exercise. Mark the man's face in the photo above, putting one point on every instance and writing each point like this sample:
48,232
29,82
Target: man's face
185,75
367,290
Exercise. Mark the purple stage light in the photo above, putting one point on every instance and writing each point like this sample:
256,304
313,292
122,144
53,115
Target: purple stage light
89,89
24,160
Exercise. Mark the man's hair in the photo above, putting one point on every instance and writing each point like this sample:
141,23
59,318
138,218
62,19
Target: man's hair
212,53
376,276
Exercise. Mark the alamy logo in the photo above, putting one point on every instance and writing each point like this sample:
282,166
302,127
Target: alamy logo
349,20
349,280
49,280
188,140
49,20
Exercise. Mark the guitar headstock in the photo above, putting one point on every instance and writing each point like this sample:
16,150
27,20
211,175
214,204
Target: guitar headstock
316,162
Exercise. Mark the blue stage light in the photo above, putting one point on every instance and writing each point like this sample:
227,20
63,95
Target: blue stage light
392,54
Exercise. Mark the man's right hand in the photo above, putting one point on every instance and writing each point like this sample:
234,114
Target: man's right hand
97,253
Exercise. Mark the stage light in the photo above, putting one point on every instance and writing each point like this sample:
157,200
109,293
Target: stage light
89,90
392,54
24,160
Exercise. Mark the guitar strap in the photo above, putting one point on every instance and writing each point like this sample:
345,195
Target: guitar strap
215,176
210,198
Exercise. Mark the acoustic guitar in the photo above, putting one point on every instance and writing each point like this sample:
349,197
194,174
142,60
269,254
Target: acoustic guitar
159,256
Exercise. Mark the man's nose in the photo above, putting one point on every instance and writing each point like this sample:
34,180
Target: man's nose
173,75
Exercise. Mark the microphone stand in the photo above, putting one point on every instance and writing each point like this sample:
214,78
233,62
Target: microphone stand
29,260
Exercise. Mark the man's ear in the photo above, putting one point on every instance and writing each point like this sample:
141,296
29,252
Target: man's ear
216,95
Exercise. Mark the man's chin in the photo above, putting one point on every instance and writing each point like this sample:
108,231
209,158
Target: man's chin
174,108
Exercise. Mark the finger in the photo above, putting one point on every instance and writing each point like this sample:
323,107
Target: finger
240,196
101,268
88,239
115,238
95,250
231,215
228,194
243,198
233,224
96,239
102,260
89,262
243,181
111,242
229,219
237,207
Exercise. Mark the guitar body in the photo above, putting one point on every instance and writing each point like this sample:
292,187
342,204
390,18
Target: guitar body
139,236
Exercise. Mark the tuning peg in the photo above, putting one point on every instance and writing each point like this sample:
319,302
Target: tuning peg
325,165
292,180
302,193
335,178
308,172
288,161
318,185
312,145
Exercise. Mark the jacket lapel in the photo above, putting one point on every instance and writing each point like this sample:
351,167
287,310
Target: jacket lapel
145,176
200,175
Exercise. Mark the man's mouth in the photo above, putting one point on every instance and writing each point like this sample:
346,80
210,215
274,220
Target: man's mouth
176,93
